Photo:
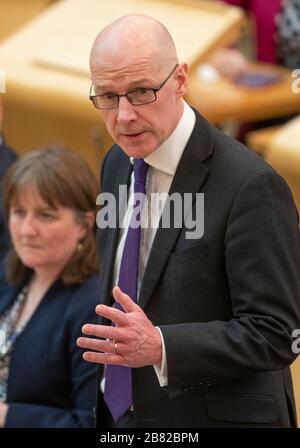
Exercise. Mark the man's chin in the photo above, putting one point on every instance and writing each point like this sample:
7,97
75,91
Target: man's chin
136,151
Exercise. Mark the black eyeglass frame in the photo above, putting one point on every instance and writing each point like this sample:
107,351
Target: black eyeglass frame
155,90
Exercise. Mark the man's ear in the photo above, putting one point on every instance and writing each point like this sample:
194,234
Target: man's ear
182,79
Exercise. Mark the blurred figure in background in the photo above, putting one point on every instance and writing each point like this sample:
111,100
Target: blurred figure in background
277,36
277,41
7,157
50,202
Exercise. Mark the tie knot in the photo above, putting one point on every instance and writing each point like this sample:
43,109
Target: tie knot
140,168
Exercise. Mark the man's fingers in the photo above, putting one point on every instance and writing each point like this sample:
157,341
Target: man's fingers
103,331
102,358
111,313
115,315
124,300
106,346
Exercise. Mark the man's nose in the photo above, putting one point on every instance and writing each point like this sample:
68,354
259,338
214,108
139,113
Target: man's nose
126,111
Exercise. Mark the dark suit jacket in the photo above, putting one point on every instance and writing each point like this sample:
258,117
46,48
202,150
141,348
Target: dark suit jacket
7,157
226,303
50,385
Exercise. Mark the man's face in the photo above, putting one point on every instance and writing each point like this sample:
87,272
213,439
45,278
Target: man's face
139,130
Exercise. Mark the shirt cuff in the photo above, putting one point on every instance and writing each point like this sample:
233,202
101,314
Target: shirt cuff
162,370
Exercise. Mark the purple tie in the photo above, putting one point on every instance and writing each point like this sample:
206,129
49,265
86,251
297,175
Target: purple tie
118,388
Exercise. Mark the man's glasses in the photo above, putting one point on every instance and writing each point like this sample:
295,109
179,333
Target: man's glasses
136,97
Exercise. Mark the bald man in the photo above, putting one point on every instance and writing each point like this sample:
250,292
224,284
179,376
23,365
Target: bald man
205,339
7,157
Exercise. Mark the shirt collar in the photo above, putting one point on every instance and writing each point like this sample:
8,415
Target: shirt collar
166,157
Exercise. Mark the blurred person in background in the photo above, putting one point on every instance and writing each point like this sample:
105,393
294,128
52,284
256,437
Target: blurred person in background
7,157
277,41
51,289
277,36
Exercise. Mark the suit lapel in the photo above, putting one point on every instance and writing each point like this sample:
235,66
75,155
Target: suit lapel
8,296
199,147
8,292
107,265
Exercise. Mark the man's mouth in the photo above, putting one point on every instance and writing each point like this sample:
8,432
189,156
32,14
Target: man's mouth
132,135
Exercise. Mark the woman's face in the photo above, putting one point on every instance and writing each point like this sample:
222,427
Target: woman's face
43,237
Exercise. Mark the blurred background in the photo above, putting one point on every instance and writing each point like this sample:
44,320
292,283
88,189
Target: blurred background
244,75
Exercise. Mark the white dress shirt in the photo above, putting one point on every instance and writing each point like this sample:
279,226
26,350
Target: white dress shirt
162,167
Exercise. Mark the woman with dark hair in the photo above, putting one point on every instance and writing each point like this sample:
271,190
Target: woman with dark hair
51,289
